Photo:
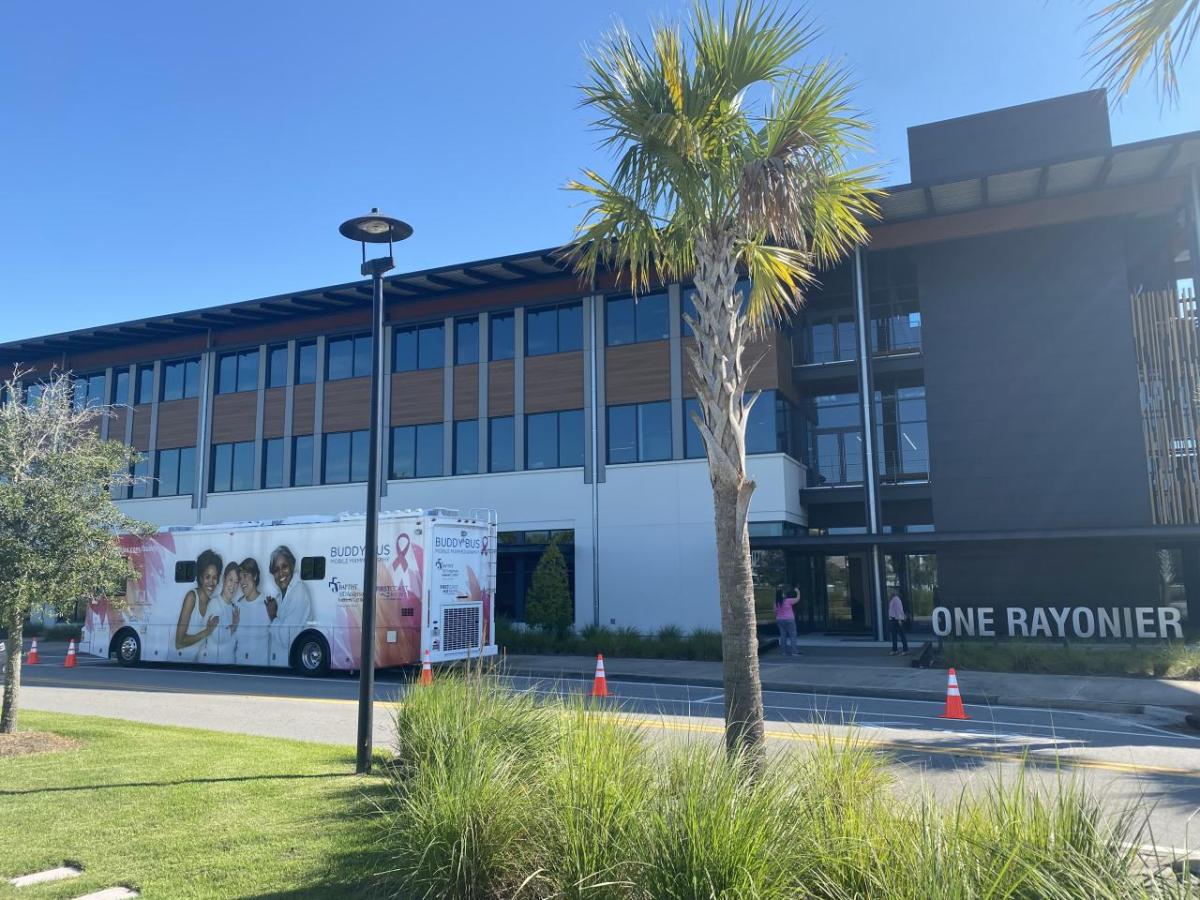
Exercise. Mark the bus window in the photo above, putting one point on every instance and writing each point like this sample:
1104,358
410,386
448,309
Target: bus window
312,568
185,571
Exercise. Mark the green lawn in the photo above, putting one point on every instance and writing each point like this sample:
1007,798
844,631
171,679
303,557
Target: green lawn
179,812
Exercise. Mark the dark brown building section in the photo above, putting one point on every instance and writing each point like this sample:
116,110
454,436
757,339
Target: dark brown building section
141,427
554,382
637,373
304,400
116,424
274,408
466,392
177,423
417,397
347,405
771,356
501,390
233,417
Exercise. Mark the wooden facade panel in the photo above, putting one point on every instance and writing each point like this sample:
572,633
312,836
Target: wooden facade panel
501,392
347,405
466,392
141,427
637,373
304,401
177,423
762,354
554,382
274,407
233,417
116,423
417,397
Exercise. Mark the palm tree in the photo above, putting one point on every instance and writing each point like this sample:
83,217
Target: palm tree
1133,33
729,157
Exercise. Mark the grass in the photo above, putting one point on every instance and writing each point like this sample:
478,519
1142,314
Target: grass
669,642
184,813
513,798
1171,660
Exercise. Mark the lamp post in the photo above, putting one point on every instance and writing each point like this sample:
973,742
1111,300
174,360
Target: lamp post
372,229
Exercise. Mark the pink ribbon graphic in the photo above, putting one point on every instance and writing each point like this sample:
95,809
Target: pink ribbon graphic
401,560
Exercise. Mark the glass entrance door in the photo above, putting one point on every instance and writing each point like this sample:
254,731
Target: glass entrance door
846,593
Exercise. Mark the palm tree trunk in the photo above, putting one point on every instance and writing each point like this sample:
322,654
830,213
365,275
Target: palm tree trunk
720,381
12,678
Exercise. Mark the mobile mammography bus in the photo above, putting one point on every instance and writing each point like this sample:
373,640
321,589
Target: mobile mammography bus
288,592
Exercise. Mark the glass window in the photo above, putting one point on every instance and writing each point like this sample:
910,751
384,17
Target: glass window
431,346
272,463
760,426
176,472
629,321
120,393
639,432
145,391
181,379
348,357
417,451
346,456
902,434
302,460
693,442
277,357
306,364
501,444
237,372
141,486
554,439
429,450
553,329
500,335
232,467
466,447
418,348
835,440
88,390
466,341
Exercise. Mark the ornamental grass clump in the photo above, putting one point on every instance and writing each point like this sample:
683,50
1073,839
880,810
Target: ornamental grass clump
498,794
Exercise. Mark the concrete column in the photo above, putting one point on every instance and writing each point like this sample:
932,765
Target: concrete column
589,305
260,400
484,435
601,393
678,423
152,446
208,381
289,400
129,403
448,397
319,413
519,388
385,411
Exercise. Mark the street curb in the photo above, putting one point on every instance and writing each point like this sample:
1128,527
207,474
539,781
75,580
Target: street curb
969,697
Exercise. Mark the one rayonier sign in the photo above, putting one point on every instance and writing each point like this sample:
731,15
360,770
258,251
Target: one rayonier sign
1078,622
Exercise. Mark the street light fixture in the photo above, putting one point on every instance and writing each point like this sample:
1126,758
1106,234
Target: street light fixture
372,229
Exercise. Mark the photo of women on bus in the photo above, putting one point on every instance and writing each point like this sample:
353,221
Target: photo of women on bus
197,615
221,646
254,622
290,608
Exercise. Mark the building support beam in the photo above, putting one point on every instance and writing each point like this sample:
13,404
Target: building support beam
519,389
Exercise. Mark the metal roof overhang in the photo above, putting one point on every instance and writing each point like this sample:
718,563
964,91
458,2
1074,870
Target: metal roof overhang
427,284
1156,534
1128,164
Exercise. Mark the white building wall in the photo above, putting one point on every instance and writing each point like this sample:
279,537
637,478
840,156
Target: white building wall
657,562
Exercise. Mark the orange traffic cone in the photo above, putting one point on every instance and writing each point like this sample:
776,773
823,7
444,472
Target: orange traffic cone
426,670
69,662
31,658
600,684
954,704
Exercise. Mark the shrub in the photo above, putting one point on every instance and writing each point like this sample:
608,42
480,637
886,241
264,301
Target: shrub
550,604
668,643
1171,660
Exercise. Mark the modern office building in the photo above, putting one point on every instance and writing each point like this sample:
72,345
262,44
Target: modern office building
993,404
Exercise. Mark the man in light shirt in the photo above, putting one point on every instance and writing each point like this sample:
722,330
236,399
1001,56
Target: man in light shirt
896,620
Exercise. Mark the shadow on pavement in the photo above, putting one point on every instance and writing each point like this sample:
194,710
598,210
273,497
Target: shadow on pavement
157,784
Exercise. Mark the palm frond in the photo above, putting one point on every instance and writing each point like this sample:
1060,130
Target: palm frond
778,277
1131,34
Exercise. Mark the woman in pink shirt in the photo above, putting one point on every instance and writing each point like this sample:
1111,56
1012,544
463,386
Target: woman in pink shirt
785,618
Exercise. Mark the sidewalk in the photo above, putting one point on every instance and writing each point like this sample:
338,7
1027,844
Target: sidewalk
871,672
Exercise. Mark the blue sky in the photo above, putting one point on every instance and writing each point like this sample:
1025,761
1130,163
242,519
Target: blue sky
164,156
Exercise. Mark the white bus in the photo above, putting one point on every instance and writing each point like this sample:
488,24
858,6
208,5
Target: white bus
288,593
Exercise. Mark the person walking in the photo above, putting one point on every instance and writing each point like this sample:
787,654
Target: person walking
896,622
785,618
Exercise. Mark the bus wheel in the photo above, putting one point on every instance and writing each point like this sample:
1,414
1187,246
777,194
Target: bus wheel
128,647
311,655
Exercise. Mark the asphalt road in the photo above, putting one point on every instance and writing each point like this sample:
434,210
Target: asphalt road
1130,761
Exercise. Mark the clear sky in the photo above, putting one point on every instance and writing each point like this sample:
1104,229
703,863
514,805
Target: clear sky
162,156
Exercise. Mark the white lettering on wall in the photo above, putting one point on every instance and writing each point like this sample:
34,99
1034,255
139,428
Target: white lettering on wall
1059,615
1145,620
1062,622
1083,621
1168,617
1041,625
1016,619
987,622
941,621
